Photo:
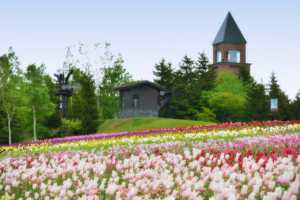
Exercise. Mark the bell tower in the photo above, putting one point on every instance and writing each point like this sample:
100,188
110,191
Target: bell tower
229,48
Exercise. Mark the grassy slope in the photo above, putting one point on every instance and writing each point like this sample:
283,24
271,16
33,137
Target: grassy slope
144,123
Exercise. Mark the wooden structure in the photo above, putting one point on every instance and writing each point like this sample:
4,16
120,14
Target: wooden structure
140,99
229,47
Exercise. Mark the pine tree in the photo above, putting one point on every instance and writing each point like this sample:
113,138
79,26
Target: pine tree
257,107
296,107
284,109
205,80
244,75
184,79
164,74
84,103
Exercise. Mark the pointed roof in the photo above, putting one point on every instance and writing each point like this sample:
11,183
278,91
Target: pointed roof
229,32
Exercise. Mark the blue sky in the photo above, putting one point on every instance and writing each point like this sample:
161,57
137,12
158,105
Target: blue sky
144,32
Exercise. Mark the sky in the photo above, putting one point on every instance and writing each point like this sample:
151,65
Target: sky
144,32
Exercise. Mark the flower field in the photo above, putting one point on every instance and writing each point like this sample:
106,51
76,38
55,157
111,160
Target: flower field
258,160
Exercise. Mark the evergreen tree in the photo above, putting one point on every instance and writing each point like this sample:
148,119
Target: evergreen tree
184,79
244,75
84,103
257,107
296,107
164,77
164,74
205,80
284,109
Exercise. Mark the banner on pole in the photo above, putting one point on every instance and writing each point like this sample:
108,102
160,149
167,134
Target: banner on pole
274,105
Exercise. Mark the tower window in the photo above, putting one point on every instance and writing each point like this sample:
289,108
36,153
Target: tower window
135,101
219,56
234,56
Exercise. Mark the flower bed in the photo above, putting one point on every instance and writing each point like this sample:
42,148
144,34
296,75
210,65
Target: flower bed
146,132
264,164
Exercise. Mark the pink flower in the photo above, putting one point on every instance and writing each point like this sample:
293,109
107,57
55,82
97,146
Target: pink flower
70,194
62,193
278,192
271,185
43,193
244,190
294,189
27,194
286,195
36,196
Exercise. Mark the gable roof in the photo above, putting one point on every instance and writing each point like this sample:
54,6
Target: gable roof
136,84
229,32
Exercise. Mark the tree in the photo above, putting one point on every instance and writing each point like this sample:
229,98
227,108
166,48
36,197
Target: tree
84,103
296,107
164,74
244,75
12,95
112,75
225,104
205,77
228,82
53,121
184,79
39,99
257,107
204,80
165,77
284,108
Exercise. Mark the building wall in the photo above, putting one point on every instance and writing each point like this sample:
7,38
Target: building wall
147,102
229,67
126,113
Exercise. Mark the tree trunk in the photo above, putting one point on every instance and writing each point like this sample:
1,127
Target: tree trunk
34,124
9,131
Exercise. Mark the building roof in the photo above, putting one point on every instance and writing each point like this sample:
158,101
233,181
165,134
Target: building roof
229,32
136,84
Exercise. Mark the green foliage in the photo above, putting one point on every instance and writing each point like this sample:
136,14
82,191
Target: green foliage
112,75
295,106
43,132
12,95
53,121
83,105
225,104
164,74
284,103
257,107
244,75
184,80
229,83
39,100
206,115
70,127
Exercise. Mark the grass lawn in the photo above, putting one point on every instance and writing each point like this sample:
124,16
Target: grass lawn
144,123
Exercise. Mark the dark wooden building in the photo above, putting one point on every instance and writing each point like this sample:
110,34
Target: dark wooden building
138,99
